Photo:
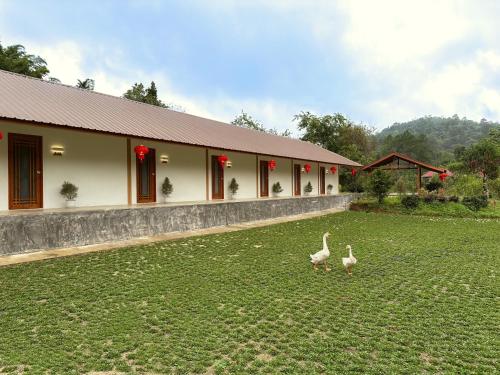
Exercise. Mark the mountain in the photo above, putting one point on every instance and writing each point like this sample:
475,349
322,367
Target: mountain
444,135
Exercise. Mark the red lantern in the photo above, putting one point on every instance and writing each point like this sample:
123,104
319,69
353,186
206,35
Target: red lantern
272,164
333,169
443,176
307,168
141,151
353,172
1,136
222,159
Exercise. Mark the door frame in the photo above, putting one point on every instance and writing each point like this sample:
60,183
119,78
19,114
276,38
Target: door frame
38,170
297,183
215,164
151,156
264,166
322,180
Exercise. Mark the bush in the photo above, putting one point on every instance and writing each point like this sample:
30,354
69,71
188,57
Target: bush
166,187
453,198
464,185
429,198
69,191
308,188
434,185
233,186
329,188
410,201
442,199
277,188
379,184
476,202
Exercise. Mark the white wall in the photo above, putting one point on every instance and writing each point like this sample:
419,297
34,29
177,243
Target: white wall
96,163
282,174
330,178
243,170
185,169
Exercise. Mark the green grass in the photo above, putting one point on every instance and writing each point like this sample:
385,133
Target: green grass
393,205
424,298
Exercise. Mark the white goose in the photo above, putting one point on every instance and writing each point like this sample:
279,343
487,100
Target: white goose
349,261
321,256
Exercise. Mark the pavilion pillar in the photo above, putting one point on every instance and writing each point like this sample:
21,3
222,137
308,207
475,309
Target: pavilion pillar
419,178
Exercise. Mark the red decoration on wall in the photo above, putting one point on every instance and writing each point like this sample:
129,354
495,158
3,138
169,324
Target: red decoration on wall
353,172
443,176
333,169
272,164
141,151
222,160
307,168
1,136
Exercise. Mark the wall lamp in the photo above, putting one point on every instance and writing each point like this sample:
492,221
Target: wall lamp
57,150
164,159
229,163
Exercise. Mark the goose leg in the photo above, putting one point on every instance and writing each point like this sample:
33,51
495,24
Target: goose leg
327,269
315,266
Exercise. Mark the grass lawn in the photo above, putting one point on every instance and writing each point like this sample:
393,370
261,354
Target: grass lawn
424,298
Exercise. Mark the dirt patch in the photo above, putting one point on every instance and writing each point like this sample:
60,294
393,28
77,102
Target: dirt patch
264,357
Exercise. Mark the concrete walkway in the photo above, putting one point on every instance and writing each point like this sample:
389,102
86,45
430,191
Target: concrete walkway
8,260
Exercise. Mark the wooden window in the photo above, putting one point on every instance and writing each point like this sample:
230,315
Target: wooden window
146,178
217,179
25,171
264,178
322,180
297,188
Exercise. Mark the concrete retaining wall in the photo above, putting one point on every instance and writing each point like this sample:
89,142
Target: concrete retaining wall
31,231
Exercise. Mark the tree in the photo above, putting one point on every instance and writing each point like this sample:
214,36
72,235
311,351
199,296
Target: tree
15,59
484,158
417,146
244,120
379,184
145,95
86,84
338,134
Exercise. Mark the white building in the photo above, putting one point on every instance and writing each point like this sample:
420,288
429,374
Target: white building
53,133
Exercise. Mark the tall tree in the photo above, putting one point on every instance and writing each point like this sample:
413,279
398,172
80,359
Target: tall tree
244,120
15,59
145,95
338,134
484,158
86,84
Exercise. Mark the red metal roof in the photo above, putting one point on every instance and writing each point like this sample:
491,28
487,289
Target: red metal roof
39,101
396,155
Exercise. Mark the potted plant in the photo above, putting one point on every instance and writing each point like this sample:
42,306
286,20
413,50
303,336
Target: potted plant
166,188
69,191
233,187
308,188
329,189
277,189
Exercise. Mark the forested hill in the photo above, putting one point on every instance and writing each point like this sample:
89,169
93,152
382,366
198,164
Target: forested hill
436,140
447,133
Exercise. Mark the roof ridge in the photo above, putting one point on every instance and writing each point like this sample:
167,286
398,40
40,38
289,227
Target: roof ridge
137,102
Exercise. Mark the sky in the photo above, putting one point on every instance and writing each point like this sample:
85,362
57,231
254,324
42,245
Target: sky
377,62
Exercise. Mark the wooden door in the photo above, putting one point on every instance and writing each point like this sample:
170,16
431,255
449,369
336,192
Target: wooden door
264,178
146,178
296,180
25,171
217,179
322,180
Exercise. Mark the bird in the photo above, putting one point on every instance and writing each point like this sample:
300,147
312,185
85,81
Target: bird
349,261
322,255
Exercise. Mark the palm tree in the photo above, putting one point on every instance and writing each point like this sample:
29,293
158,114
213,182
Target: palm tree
87,84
